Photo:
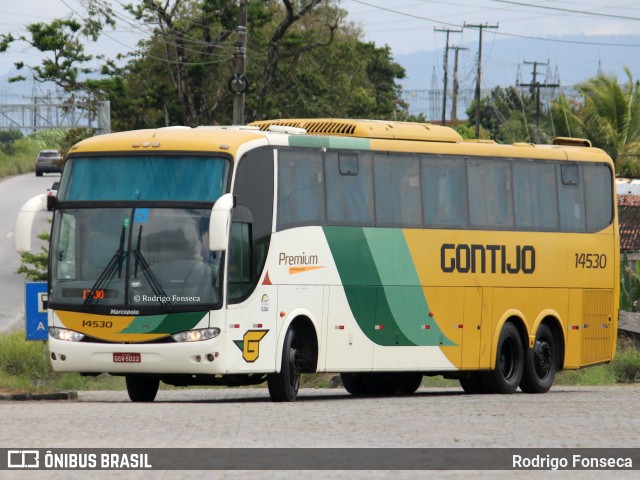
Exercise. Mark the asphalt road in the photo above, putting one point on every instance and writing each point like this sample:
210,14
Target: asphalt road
565,417
14,192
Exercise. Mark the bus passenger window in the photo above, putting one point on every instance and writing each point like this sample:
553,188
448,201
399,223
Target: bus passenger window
598,193
535,195
300,188
571,200
490,200
349,184
444,191
397,191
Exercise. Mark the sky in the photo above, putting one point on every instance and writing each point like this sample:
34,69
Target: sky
409,27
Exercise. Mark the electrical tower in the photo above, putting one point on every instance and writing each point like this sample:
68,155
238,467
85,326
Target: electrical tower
534,88
446,69
456,86
480,27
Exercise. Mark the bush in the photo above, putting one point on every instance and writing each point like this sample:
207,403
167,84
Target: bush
626,366
8,139
21,358
25,366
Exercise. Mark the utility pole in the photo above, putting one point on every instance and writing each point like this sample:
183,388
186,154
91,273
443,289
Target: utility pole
446,68
456,86
480,27
238,83
534,88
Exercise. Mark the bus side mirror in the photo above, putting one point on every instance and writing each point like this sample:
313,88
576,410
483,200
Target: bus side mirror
51,202
220,222
24,223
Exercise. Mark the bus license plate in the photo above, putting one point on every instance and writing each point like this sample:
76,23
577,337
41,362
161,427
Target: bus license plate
126,358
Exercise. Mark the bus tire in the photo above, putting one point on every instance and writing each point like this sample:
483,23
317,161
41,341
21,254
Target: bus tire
540,363
409,382
353,383
381,383
283,386
505,378
142,388
473,382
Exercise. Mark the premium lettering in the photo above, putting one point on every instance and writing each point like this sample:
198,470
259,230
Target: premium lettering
303,259
476,258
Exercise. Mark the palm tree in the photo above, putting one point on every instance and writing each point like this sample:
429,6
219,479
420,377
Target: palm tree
610,117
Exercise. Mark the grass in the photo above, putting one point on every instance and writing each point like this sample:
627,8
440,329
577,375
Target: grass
21,155
25,367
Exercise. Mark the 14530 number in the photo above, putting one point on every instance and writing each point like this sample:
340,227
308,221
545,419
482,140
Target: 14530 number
591,260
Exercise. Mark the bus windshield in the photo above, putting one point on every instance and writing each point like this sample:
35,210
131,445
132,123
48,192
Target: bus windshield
176,178
142,260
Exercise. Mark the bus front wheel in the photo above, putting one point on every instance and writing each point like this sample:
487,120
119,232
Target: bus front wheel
540,363
509,362
283,386
142,388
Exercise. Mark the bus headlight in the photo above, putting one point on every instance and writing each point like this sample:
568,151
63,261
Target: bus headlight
64,334
196,335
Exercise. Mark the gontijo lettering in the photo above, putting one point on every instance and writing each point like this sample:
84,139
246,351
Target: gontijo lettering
475,258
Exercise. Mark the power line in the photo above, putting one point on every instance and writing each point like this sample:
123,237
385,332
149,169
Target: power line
567,10
506,34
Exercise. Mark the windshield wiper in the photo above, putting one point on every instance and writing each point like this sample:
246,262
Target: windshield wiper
149,275
105,277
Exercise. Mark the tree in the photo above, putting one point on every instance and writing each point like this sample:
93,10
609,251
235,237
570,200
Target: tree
8,139
505,115
610,117
35,266
629,286
62,40
304,59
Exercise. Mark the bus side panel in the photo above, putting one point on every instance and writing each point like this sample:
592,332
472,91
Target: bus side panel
252,332
472,328
591,329
347,347
486,329
447,308
573,349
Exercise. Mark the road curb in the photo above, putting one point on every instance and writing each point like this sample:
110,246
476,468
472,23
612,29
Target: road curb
40,396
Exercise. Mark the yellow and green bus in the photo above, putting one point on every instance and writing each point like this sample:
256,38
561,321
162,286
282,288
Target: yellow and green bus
382,251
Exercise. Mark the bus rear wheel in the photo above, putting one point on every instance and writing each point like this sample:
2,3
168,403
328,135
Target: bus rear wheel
474,382
381,383
353,383
409,382
541,363
509,362
142,388
284,386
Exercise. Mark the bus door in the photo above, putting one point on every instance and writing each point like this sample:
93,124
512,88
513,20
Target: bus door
251,314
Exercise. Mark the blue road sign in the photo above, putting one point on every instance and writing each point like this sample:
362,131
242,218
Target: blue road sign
35,294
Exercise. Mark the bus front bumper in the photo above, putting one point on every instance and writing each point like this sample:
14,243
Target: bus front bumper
205,357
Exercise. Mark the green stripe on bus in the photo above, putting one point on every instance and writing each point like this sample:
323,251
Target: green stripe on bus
167,323
329,142
382,286
402,288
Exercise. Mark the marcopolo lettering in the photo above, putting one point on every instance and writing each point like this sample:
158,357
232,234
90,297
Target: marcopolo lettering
475,258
